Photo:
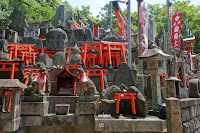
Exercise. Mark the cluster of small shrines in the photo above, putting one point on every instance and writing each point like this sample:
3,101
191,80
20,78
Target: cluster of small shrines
68,78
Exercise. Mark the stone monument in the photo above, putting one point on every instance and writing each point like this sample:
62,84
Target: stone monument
11,119
56,39
154,65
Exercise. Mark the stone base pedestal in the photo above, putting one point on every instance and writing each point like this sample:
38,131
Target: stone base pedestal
10,125
34,105
62,109
85,98
88,108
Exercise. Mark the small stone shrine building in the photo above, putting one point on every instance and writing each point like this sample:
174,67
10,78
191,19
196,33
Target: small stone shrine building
154,65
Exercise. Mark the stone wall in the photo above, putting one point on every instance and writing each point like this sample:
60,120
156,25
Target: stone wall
183,115
190,110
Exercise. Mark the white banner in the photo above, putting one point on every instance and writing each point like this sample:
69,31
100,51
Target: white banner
145,24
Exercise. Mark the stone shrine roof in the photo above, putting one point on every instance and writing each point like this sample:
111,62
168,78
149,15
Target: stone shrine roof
11,83
155,52
173,79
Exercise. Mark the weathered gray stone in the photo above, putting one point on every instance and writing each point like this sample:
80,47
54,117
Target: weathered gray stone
97,81
4,56
56,39
123,75
19,22
62,109
32,40
60,15
185,115
88,35
75,57
109,94
34,98
34,108
12,36
77,35
10,125
194,86
152,30
69,28
59,60
188,102
88,108
140,102
3,45
84,124
85,98
43,58
90,27
32,120
173,114
53,100
147,124
110,38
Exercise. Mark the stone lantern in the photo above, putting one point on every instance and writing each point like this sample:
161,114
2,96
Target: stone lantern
10,115
173,87
154,65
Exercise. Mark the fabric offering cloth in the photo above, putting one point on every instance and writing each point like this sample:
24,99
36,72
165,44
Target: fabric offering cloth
41,78
83,78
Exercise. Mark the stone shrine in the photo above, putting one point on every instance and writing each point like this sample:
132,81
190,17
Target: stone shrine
154,65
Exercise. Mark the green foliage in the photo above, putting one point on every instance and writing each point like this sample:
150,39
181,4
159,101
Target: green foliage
4,10
159,14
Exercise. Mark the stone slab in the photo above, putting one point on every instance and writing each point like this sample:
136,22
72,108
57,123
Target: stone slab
53,100
62,109
148,124
34,98
86,98
28,121
88,108
187,102
10,125
59,120
34,108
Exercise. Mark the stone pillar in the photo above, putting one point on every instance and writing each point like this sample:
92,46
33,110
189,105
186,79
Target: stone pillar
156,90
173,114
3,34
171,89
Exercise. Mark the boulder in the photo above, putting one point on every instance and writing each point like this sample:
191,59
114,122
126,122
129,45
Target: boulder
59,60
3,45
140,102
43,58
111,37
32,40
56,39
109,95
123,76
76,36
69,28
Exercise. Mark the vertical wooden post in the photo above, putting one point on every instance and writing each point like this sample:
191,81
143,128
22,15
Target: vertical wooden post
100,55
12,71
102,80
109,56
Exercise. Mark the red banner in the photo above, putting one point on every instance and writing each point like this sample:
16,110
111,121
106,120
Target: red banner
140,15
176,30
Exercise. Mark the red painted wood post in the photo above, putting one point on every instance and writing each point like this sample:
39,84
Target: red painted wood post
109,56
12,71
100,55
102,80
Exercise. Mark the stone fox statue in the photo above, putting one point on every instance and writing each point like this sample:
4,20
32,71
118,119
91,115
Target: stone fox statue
37,84
86,82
